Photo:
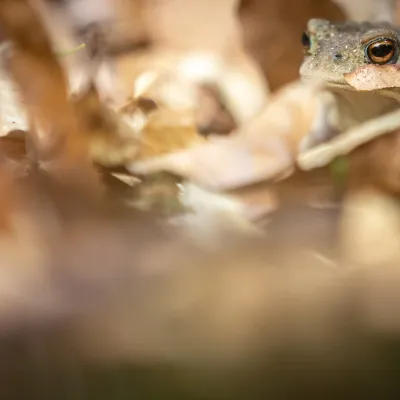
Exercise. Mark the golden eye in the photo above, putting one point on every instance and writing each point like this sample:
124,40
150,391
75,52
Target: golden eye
381,51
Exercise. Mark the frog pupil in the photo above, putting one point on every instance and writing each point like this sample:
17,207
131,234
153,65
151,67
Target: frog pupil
382,50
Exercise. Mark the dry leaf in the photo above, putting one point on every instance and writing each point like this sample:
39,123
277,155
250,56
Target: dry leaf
370,228
265,149
369,10
167,131
374,77
12,113
56,135
111,140
272,29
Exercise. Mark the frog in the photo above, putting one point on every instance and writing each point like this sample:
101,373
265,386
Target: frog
358,63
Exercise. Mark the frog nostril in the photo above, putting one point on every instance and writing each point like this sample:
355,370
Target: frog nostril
337,57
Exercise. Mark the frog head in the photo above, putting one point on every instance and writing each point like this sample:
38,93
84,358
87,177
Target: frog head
335,49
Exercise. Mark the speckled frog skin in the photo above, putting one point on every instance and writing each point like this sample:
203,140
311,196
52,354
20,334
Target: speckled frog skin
333,49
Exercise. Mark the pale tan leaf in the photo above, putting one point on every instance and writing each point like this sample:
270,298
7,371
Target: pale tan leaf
265,149
374,77
12,113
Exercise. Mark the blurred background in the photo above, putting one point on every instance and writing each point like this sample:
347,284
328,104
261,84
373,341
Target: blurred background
111,302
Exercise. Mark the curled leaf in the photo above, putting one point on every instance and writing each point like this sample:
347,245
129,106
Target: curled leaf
374,77
262,150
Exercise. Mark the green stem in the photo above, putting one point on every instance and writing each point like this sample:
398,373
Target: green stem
339,170
68,52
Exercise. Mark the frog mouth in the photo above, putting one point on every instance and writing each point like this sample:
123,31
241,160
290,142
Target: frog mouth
340,85
337,84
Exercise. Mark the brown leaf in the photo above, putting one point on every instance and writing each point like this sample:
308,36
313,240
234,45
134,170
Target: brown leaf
272,30
57,135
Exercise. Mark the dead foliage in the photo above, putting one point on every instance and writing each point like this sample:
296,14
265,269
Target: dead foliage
255,280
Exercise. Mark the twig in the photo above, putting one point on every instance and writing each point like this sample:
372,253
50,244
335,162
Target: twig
343,144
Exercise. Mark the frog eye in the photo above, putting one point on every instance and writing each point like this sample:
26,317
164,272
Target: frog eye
381,51
305,41
308,42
